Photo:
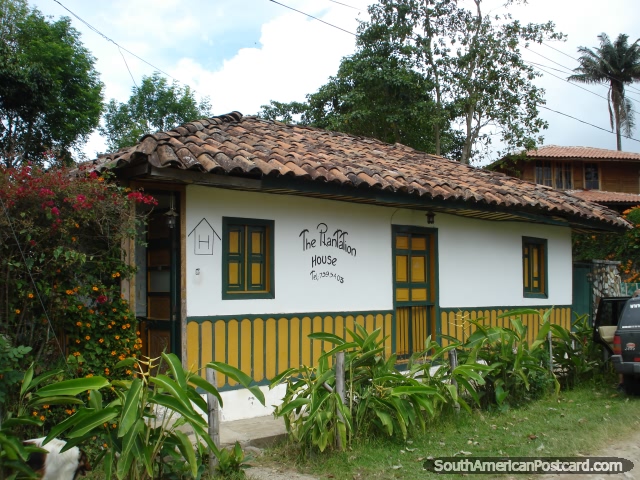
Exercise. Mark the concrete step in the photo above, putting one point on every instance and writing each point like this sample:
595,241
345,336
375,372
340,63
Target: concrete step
257,432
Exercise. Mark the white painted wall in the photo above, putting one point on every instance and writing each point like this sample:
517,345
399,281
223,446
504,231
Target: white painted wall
479,262
367,276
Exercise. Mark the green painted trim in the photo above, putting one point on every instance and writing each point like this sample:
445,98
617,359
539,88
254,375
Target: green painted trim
544,292
270,235
253,316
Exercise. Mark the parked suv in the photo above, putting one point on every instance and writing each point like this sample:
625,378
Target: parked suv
626,345
606,322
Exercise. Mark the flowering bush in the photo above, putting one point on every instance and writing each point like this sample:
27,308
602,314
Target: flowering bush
61,234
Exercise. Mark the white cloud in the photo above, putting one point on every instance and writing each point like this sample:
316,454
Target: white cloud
243,53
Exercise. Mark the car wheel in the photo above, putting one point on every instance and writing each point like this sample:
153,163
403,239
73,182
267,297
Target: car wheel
631,384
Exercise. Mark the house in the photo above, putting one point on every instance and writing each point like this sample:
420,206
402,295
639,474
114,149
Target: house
607,177
267,232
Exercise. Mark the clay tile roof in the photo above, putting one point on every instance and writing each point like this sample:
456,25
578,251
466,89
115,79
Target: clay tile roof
599,196
249,146
554,151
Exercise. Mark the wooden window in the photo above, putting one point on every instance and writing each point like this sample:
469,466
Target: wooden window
591,176
554,174
534,267
247,267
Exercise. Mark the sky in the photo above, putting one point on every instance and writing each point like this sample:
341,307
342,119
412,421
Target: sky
244,53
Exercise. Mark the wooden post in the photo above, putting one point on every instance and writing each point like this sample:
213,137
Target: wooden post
340,390
213,408
453,363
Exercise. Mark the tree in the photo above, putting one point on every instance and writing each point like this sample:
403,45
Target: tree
617,64
153,106
474,64
50,92
374,94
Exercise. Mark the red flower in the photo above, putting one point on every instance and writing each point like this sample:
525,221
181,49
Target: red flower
55,211
101,299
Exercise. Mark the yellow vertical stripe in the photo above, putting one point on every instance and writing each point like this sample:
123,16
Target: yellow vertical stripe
317,344
349,324
258,350
328,328
193,357
206,352
220,338
369,324
272,347
245,350
306,342
294,344
232,345
283,343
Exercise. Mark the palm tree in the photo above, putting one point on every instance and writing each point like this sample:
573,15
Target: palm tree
617,64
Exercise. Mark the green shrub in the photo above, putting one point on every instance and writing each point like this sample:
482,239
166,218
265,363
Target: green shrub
380,400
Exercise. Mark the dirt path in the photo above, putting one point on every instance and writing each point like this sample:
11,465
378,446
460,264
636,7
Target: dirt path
628,448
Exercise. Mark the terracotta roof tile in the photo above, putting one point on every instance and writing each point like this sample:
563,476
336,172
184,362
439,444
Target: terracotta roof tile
237,145
554,151
607,197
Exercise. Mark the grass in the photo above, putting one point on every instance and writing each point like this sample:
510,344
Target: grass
578,421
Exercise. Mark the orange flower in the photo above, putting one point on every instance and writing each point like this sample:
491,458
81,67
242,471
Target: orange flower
42,417
89,375
45,406
87,337
76,354
88,325
101,340
17,311
91,311
77,226
68,412
108,326
113,353
30,295
77,341
69,292
73,239
79,307
94,288
78,324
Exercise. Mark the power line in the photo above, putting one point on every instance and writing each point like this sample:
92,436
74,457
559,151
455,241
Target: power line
568,69
630,87
569,82
95,30
311,16
345,5
587,123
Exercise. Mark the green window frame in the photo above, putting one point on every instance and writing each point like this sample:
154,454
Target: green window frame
534,267
247,258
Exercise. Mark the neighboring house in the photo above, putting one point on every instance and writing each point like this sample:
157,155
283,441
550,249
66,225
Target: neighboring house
607,177
285,230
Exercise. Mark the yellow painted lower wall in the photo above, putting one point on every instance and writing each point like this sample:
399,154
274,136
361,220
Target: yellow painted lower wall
457,323
262,347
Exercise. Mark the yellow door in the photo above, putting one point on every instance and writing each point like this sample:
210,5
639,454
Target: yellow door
414,290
